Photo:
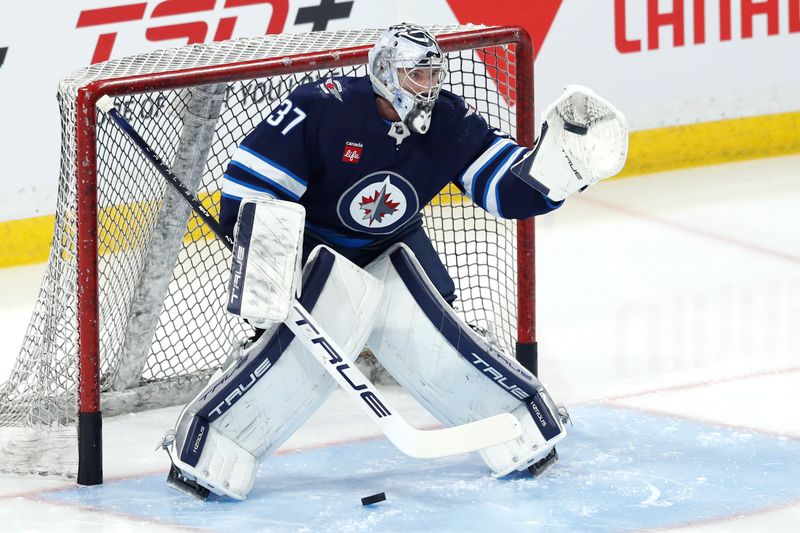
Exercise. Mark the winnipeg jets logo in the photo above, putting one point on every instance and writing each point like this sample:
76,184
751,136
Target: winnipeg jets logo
331,86
378,203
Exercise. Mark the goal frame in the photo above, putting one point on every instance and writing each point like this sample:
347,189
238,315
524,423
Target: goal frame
90,471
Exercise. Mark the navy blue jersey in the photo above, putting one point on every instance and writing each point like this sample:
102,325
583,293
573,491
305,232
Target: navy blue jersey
327,148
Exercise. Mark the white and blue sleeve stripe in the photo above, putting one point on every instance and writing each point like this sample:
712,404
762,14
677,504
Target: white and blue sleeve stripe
469,176
491,198
233,188
270,172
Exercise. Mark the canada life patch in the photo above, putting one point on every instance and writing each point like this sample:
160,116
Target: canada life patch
352,152
378,203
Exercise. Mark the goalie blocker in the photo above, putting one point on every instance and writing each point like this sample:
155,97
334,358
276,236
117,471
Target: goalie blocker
266,260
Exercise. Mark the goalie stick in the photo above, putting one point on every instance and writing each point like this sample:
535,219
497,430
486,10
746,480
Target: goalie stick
414,442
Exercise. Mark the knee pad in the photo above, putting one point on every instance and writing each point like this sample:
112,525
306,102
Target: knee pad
265,396
452,371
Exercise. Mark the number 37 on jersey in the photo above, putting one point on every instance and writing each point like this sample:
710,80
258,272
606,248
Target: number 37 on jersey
286,110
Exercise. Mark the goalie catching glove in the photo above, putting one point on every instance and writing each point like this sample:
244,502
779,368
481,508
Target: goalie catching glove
584,139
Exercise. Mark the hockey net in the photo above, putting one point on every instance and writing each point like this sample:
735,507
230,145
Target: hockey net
130,314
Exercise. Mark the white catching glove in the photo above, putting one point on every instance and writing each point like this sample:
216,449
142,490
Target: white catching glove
584,139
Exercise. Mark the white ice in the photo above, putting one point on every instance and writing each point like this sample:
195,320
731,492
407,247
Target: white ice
675,293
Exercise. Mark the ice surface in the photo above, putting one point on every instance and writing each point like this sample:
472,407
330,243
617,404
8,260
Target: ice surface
669,323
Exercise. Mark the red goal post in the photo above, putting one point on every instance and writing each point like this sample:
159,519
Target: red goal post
98,233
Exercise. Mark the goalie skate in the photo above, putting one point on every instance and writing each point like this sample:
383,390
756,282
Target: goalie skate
540,466
178,481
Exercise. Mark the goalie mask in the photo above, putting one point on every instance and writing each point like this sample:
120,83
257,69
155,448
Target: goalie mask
407,67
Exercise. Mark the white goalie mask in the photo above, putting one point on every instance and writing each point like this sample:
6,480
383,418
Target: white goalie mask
407,67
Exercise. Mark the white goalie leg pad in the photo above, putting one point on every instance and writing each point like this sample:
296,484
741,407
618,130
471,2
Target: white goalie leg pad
258,403
265,269
451,370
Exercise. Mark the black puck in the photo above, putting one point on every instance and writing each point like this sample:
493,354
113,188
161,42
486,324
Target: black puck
375,498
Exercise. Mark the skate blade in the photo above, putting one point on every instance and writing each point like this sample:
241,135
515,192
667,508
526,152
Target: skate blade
540,466
176,480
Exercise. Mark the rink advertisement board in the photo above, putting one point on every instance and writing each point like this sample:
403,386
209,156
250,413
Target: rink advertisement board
665,63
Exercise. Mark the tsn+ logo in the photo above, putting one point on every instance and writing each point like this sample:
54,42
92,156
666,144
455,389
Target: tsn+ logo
190,21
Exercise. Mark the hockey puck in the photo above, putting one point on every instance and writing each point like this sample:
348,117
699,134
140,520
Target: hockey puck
375,498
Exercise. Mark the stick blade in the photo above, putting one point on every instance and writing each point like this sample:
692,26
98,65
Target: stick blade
465,438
